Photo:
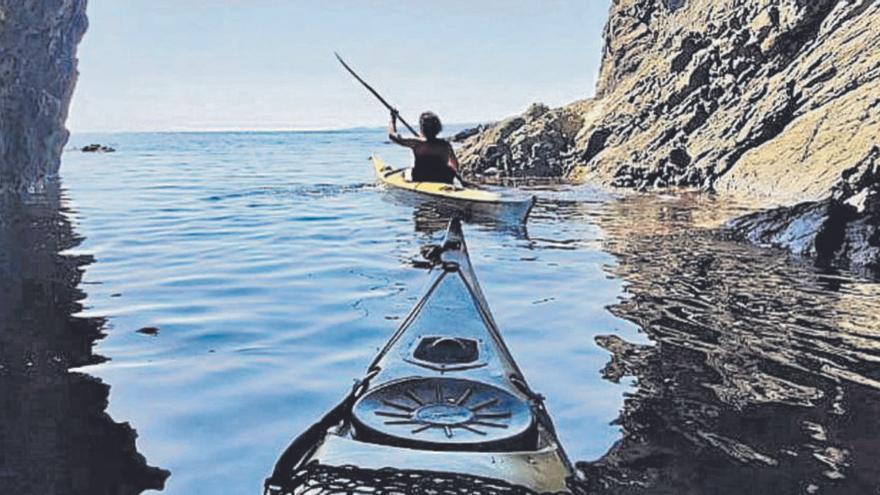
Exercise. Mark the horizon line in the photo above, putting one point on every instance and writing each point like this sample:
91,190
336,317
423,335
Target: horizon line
257,130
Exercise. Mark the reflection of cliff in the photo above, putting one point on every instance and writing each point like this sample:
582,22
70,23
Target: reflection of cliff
762,374
54,434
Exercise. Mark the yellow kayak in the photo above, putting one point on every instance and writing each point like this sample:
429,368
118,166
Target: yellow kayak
480,201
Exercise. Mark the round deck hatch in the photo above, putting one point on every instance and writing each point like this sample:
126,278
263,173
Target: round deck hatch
444,414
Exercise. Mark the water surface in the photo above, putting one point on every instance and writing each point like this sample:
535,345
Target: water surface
274,269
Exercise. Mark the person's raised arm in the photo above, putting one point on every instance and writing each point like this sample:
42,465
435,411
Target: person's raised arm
392,127
394,136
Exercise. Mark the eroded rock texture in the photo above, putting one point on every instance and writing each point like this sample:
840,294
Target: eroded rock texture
779,100
38,40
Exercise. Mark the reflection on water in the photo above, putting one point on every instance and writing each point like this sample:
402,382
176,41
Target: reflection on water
763,372
54,434
431,217
275,269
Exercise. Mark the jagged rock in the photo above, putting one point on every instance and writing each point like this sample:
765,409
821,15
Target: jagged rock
535,110
777,100
808,229
462,135
97,148
861,240
533,145
37,77
844,226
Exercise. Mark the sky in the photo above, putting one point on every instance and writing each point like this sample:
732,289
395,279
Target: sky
186,65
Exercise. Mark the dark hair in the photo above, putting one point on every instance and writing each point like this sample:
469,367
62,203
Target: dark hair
430,125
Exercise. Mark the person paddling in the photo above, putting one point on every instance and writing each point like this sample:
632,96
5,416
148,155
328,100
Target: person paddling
435,160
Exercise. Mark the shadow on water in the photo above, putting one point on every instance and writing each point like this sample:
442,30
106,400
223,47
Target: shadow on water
55,436
763,371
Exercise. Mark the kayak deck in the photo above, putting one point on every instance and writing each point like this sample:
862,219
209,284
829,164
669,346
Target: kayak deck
517,468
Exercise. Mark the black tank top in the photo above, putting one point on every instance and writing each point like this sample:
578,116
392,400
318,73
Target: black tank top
433,165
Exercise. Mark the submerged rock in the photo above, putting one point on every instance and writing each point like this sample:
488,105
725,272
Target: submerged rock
776,100
37,77
827,230
809,229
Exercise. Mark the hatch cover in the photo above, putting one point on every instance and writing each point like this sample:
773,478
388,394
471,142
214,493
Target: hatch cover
444,413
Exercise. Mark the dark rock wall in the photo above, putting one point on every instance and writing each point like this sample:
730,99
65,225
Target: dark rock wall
38,40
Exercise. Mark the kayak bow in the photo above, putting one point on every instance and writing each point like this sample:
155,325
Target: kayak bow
444,395
470,200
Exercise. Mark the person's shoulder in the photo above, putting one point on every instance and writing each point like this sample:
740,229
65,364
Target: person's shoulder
409,141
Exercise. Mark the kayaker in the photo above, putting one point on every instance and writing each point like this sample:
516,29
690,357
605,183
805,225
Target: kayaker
435,160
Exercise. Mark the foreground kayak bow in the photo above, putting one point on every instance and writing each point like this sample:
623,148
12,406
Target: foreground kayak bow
443,396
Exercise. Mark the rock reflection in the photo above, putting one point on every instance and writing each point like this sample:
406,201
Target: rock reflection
763,373
55,436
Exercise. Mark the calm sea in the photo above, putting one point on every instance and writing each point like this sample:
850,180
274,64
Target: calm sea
273,268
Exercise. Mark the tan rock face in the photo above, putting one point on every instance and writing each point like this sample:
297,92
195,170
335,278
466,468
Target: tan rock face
775,99
533,145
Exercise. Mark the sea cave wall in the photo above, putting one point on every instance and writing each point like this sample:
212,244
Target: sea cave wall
775,100
38,41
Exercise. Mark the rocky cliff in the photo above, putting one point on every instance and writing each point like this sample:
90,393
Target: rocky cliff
38,40
777,100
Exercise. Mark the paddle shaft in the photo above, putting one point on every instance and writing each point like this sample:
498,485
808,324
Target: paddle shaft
375,93
392,109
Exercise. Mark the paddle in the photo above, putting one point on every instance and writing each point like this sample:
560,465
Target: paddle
392,109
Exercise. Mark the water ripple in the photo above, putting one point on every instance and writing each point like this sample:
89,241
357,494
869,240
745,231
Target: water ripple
274,269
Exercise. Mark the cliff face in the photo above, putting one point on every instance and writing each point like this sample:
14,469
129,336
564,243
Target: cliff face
778,100
38,41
